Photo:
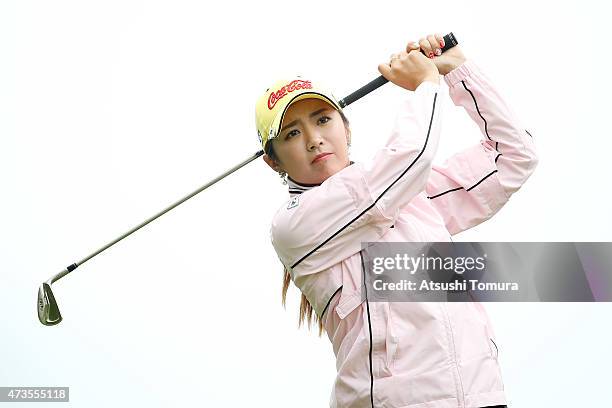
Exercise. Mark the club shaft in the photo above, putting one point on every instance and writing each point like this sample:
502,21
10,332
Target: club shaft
139,226
449,42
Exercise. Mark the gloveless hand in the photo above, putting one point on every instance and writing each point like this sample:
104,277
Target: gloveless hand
409,69
432,47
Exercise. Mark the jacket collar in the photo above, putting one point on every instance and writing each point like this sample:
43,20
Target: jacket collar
296,187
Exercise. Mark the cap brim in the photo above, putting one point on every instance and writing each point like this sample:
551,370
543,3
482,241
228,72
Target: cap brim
304,95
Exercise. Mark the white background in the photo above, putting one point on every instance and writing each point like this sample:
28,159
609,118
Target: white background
111,111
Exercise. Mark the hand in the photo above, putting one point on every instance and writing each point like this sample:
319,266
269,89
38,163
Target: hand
432,47
409,69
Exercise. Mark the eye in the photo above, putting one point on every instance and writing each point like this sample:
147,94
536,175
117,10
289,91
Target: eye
327,119
291,134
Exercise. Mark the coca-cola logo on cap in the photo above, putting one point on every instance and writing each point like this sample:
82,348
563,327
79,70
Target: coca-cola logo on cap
283,91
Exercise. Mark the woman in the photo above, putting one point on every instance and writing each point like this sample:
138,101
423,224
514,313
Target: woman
393,354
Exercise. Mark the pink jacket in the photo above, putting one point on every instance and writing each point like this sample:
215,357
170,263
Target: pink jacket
407,354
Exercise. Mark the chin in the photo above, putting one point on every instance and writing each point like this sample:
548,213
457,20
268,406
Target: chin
322,174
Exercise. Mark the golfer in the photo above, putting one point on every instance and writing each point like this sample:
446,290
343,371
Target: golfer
393,354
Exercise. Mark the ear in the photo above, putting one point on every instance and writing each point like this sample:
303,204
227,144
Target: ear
348,136
273,165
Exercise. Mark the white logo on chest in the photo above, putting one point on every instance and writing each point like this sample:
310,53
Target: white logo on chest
295,201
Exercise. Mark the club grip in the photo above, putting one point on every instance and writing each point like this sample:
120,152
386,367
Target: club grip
449,42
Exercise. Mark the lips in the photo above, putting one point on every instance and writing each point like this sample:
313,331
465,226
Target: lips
318,157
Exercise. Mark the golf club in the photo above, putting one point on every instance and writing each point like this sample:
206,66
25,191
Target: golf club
48,311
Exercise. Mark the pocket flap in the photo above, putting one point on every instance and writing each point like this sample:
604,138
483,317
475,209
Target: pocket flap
348,303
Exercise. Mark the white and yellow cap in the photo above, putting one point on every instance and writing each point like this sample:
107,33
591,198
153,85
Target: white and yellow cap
273,104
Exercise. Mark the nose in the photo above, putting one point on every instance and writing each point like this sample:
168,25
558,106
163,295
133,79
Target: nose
314,139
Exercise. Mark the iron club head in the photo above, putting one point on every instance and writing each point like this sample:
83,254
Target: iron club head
48,312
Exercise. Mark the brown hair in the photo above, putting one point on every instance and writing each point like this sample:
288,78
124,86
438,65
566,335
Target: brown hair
305,306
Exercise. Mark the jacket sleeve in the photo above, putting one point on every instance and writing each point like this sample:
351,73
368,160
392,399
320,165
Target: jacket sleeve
328,223
472,185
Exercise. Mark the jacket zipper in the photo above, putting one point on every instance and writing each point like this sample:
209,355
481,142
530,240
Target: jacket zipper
461,394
